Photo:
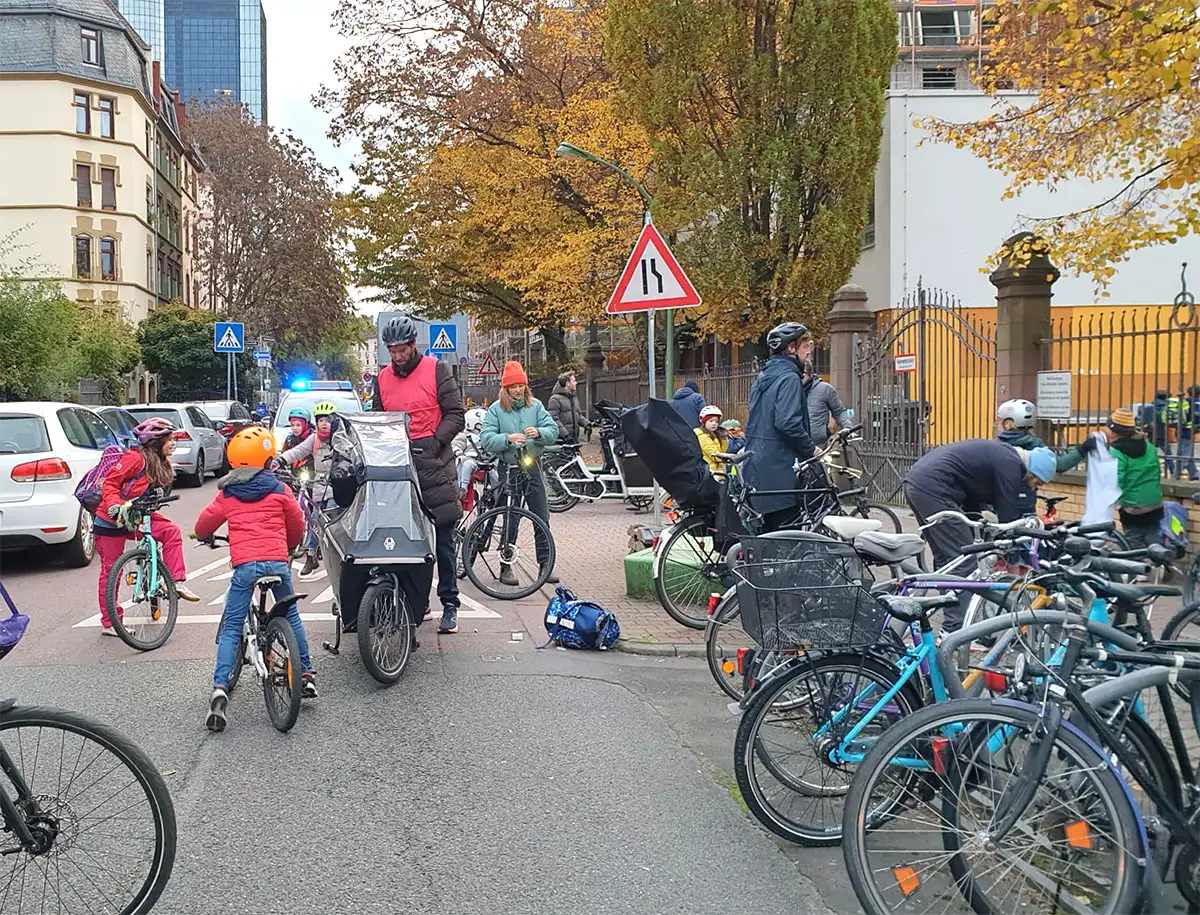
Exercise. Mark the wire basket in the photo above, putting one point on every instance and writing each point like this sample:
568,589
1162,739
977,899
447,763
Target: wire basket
806,592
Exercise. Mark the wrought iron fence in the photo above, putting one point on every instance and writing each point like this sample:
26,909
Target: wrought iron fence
1144,359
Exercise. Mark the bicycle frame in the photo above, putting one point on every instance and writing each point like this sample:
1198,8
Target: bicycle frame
146,538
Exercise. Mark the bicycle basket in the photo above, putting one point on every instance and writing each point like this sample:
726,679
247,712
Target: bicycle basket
806,592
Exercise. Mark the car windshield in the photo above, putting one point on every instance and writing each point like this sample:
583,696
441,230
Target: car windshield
216,410
141,414
22,434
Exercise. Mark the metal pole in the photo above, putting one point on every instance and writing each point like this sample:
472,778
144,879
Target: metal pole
233,371
228,378
669,368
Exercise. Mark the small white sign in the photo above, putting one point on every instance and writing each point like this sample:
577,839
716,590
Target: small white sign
1054,395
906,362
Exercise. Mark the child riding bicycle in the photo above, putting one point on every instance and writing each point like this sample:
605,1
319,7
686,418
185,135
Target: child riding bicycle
265,525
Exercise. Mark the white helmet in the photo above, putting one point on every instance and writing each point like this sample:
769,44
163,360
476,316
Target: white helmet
475,419
1022,413
709,412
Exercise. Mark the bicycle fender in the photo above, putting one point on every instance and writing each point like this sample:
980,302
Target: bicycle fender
7,705
283,607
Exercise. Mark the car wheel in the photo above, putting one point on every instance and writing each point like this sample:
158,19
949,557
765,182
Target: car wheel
78,553
198,477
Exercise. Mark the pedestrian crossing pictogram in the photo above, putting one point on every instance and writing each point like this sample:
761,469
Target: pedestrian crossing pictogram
230,340
442,341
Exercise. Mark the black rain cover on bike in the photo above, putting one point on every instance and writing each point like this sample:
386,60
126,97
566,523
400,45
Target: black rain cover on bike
669,448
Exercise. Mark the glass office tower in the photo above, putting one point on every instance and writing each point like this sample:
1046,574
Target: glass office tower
210,49
146,17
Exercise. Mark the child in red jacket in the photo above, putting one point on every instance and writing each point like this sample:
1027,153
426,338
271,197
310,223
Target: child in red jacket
146,464
265,525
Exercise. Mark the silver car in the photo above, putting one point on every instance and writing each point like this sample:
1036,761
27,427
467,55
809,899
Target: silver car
199,447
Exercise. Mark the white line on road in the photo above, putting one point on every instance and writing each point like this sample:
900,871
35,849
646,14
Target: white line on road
93,622
223,561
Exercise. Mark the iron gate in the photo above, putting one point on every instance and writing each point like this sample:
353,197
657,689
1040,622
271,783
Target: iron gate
926,377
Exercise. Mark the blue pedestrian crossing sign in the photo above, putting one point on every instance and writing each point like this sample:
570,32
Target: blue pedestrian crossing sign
229,337
443,338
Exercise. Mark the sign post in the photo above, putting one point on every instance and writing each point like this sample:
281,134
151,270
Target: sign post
229,337
652,279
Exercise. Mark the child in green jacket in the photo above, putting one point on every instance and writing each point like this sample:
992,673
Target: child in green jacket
1139,476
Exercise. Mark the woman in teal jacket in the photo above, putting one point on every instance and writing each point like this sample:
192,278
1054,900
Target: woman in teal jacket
515,422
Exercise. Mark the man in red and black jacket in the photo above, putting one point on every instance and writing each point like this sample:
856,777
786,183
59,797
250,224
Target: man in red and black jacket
425,389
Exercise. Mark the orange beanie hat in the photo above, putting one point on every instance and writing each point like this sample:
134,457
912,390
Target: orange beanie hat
513,374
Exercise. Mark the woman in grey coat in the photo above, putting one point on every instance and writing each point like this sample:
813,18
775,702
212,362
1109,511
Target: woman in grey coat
823,403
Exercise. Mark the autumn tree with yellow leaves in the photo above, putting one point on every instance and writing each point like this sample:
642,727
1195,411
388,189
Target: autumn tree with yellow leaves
462,203
1116,99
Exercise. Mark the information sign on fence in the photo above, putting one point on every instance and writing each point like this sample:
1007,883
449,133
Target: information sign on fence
1054,395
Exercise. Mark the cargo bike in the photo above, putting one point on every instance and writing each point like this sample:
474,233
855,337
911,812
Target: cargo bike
377,539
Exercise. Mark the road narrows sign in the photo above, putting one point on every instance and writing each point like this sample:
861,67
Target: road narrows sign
652,279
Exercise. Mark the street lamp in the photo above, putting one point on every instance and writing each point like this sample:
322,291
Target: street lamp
570,151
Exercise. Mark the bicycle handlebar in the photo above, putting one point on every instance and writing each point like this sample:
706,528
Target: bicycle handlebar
210,542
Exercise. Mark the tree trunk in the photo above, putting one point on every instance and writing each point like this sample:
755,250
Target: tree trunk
556,345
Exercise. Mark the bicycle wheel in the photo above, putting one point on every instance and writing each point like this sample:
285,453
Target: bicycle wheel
142,620
1075,848
102,809
500,552
384,632
781,752
873,511
1191,582
1184,626
557,498
725,645
690,568
282,688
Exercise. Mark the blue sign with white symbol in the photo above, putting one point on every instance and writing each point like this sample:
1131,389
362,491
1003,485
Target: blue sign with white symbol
443,338
229,337
262,354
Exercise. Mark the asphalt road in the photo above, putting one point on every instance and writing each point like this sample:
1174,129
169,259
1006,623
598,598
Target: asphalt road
492,778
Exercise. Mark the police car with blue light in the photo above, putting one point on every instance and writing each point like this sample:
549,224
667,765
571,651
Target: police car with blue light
306,393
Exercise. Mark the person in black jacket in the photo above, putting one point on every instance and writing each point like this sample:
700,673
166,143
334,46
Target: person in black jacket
970,476
777,433
563,407
425,389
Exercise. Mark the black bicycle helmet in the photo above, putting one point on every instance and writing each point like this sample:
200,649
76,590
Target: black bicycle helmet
779,337
400,329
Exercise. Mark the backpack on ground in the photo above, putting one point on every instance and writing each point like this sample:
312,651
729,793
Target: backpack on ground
575,623
90,485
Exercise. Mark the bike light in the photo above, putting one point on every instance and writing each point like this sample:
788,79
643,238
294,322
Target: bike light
42,470
741,661
526,461
995,680
713,600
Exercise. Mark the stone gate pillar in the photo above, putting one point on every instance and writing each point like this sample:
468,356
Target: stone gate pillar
1023,292
848,315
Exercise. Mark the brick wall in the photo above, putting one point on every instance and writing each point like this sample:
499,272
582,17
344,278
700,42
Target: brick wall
1073,484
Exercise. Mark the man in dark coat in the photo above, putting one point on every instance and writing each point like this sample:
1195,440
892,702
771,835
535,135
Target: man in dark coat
563,408
688,402
777,433
425,389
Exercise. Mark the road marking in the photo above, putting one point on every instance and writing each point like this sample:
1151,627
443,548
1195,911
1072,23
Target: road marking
93,622
224,560
325,597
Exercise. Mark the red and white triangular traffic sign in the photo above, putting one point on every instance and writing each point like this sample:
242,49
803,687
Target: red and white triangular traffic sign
652,279
489,366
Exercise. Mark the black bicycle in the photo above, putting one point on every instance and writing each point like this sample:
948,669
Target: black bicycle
500,550
86,821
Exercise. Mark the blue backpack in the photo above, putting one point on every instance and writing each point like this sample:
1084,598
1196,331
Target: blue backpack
575,623
1173,528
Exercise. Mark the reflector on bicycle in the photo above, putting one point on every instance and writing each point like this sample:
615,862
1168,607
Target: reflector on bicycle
906,879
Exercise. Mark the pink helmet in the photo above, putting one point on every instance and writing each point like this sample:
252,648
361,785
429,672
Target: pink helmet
155,427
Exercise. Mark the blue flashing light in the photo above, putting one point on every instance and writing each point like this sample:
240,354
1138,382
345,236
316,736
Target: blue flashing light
300,384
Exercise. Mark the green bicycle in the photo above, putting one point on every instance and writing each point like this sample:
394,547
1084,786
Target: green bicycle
140,594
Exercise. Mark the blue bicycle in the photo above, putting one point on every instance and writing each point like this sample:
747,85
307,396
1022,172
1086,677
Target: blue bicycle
140,593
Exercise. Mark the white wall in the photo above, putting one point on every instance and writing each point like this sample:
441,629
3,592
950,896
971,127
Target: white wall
942,215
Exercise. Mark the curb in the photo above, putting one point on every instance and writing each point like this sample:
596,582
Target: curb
660,649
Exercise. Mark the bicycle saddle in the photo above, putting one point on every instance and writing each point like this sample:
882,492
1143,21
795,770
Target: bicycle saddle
267,581
849,528
889,547
911,609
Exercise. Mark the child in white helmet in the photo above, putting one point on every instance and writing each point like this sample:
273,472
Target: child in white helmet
466,448
713,439
1016,419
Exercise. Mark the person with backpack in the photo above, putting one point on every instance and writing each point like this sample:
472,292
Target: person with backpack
265,525
146,464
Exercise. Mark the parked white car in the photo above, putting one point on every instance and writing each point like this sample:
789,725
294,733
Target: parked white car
199,447
45,448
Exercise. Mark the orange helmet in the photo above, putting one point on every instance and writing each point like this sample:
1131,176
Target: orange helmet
254,446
